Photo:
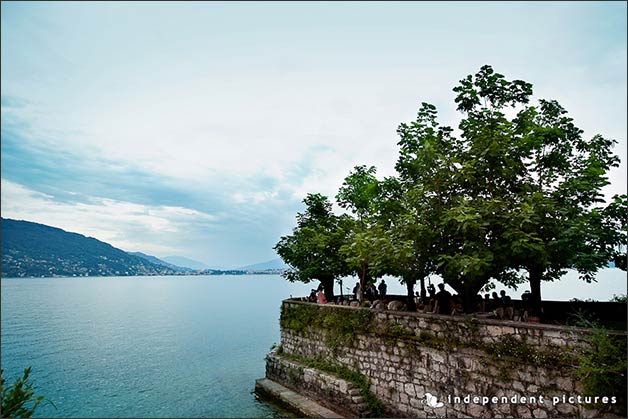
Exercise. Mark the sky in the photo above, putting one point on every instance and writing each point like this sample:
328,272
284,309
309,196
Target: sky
196,129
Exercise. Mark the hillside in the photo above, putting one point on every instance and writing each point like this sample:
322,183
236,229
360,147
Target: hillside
36,250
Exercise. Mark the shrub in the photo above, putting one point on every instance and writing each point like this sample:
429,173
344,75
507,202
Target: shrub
18,398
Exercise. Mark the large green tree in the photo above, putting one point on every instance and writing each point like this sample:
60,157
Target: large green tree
562,217
527,190
509,193
313,248
456,191
359,194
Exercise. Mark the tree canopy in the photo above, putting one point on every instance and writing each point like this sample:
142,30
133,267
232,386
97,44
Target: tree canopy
515,190
313,248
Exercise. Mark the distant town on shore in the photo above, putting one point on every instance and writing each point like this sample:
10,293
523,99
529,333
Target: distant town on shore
37,250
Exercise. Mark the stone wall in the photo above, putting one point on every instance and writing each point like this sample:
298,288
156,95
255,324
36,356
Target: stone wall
460,361
333,392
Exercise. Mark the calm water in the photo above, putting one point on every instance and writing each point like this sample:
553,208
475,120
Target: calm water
144,346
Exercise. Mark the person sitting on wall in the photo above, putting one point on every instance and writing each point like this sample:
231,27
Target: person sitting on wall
312,297
456,305
374,292
486,307
525,305
496,302
321,296
442,303
479,303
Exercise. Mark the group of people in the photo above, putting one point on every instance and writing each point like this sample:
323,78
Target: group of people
441,302
370,292
317,295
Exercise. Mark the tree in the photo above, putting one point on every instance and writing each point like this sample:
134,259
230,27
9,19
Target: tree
313,248
457,192
408,238
561,195
359,194
531,185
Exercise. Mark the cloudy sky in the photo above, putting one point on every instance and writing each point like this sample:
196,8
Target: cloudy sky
196,129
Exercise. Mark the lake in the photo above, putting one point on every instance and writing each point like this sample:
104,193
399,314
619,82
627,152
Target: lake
144,346
166,346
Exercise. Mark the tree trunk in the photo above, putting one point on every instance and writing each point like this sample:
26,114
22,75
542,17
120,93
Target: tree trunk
411,304
535,274
362,274
468,295
423,292
328,288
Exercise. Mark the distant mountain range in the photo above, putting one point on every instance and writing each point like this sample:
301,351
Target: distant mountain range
37,250
274,264
185,262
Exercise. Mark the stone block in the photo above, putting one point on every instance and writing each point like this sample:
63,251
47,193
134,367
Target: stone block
564,383
476,410
516,385
539,413
342,386
409,389
567,409
416,403
523,411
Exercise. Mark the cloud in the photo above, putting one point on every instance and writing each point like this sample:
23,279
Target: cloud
122,224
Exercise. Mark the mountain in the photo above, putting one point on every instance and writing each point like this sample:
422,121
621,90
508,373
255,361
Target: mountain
271,264
185,262
31,249
157,261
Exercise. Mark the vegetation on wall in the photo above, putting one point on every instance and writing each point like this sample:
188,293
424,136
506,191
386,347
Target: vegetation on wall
602,368
340,325
374,405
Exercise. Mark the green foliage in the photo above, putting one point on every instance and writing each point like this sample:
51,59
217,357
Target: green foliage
18,398
359,191
509,193
374,405
621,298
340,325
314,245
602,367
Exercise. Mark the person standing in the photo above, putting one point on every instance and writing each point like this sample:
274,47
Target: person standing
382,289
356,289
443,301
